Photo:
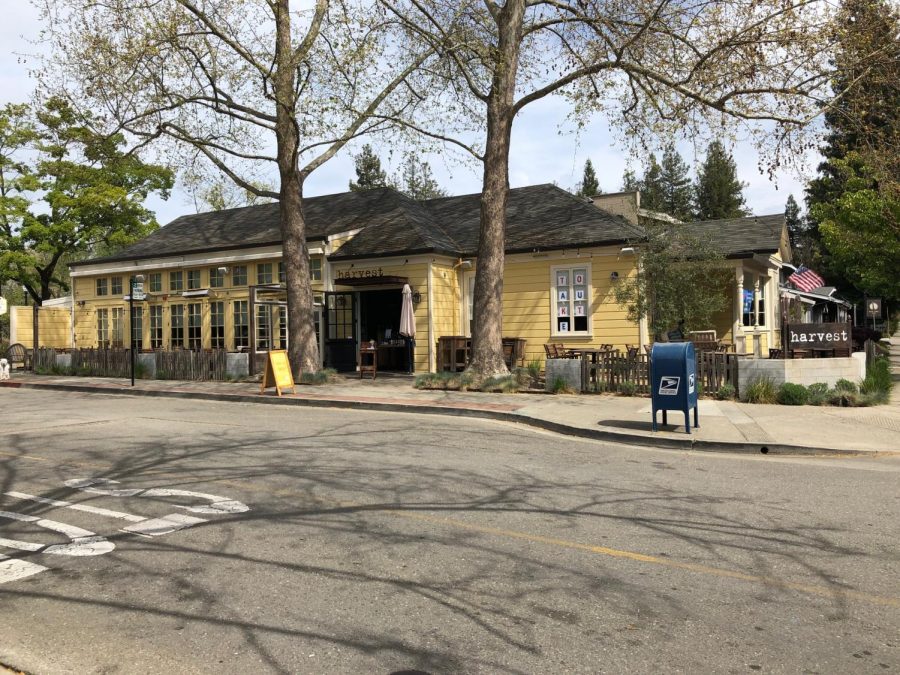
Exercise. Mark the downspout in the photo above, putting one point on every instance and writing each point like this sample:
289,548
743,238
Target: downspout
431,366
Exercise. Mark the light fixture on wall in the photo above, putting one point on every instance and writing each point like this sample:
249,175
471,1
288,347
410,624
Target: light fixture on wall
416,297
463,263
613,276
81,303
223,269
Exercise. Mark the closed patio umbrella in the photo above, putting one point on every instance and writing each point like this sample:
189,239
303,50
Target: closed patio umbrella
408,323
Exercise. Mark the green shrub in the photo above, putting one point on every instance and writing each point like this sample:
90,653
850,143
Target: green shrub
878,377
523,377
319,377
627,388
761,390
507,384
792,394
817,394
534,369
844,398
560,386
726,392
847,386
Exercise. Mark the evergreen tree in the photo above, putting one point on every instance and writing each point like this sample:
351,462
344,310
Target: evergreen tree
630,181
717,192
589,185
415,179
368,171
675,185
651,187
796,228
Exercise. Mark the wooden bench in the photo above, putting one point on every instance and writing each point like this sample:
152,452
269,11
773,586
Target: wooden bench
17,354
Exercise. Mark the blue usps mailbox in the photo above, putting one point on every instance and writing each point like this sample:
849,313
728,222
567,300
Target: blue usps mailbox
673,381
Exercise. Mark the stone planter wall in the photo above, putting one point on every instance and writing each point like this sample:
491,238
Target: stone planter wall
569,370
802,371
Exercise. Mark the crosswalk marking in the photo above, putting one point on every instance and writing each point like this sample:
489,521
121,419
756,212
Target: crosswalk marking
12,569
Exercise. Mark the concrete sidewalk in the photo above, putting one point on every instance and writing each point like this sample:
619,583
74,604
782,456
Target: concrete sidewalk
724,425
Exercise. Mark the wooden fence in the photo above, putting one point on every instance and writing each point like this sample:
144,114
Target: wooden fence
191,365
174,365
101,362
619,371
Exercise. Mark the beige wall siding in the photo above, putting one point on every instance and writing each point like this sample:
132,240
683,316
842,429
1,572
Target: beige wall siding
54,326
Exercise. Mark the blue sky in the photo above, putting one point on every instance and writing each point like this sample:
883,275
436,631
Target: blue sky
541,151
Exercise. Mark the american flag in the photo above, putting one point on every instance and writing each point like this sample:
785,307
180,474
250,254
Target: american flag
806,280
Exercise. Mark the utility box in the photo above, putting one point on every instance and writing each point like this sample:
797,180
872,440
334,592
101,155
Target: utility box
673,381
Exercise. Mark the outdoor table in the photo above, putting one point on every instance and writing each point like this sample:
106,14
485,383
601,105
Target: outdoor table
590,356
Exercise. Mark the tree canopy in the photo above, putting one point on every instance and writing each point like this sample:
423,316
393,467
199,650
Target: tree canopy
415,179
717,191
589,185
66,191
369,173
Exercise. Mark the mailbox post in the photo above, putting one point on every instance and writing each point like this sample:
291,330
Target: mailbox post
673,381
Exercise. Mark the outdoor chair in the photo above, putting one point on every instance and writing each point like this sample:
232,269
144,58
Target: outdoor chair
18,354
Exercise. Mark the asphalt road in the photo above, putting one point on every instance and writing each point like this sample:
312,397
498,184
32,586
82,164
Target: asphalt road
335,541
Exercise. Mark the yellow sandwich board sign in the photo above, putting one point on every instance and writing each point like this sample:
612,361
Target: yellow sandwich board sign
277,373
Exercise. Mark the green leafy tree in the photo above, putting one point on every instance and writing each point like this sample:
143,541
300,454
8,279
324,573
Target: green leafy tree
369,173
717,192
675,185
67,191
681,278
415,179
861,228
862,154
589,185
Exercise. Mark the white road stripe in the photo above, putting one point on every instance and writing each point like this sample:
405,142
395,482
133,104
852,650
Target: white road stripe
159,526
13,570
83,542
78,507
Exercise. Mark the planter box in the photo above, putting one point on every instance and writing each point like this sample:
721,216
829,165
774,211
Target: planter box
569,370
802,371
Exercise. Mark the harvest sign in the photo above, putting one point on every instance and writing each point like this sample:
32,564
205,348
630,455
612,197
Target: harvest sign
814,335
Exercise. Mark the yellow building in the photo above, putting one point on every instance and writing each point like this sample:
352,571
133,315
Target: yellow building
211,280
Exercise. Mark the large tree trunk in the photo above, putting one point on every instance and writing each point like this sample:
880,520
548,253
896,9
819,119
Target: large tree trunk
487,333
303,349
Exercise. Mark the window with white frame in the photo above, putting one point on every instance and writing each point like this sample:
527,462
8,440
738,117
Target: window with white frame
156,326
570,301
103,328
118,324
217,325
753,304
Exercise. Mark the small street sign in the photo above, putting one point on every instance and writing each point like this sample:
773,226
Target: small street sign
873,308
137,290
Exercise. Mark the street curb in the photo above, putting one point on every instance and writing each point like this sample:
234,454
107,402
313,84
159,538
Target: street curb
686,444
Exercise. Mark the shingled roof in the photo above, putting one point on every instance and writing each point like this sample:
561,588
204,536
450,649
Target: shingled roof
539,217
254,226
742,237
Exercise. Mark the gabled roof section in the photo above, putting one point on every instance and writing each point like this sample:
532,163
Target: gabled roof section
538,218
742,237
255,226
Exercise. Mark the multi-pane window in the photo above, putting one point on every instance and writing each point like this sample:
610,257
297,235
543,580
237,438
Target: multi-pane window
216,277
103,328
118,327
102,286
281,313
137,329
176,281
281,276
571,300
116,286
315,269
263,327
156,282
264,273
156,327
193,280
217,325
195,326
754,300
239,275
176,333
241,324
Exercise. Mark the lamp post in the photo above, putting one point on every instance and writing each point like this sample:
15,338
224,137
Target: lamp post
136,287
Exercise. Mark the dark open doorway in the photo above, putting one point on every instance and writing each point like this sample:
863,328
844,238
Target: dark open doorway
379,322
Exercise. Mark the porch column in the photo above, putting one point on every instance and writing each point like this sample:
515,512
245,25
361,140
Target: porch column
739,309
